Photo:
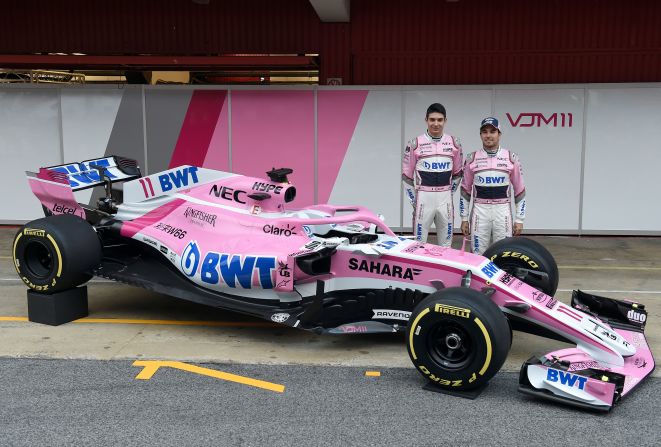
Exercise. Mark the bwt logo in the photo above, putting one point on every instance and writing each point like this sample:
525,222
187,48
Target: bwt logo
490,180
178,178
490,270
436,165
565,378
170,181
538,119
227,269
84,174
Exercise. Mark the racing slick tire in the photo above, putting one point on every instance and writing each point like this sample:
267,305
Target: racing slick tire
519,252
458,338
56,253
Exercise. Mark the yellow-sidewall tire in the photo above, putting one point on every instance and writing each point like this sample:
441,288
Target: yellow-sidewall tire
458,338
56,253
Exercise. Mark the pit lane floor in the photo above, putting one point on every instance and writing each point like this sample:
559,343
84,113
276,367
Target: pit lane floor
133,324
88,402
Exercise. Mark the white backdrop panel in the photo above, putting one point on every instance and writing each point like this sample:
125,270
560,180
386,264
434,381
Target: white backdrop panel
29,138
370,173
550,152
465,109
87,120
622,160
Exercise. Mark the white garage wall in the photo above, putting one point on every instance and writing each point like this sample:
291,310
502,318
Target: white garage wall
575,174
87,120
30,137
550,152
371,166
622,156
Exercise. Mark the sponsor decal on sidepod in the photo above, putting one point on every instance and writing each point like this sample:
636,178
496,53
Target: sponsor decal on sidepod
227,269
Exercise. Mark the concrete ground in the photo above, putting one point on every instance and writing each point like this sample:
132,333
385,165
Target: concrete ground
131,323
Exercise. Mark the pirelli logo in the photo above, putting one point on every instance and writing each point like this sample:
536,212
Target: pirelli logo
451,310
31,232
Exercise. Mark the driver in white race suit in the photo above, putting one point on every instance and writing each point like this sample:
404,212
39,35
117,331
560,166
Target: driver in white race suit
490,176
431,171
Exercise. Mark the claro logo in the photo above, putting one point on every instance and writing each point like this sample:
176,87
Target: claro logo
537,119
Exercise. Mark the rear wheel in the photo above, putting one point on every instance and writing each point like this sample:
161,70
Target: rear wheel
56,253
458,338
523,258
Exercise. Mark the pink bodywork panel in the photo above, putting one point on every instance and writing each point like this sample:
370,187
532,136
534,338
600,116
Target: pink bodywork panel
55,195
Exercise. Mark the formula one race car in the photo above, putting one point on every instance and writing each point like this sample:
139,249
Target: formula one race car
231,241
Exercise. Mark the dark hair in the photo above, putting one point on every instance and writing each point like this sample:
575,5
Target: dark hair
435,108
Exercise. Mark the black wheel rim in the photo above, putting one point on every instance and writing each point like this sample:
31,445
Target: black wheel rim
450,345
38,259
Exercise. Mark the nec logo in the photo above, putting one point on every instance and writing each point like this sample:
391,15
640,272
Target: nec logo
538,119
565,378
436,165
170,180
490,180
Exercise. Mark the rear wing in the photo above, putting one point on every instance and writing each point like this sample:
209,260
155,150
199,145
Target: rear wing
86,174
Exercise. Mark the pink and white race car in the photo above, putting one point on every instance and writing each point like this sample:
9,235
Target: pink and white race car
232,241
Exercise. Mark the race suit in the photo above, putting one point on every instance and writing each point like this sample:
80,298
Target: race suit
488,180
431,171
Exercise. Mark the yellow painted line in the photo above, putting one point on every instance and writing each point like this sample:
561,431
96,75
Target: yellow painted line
151,366
162,322
607,267
13,318
373,373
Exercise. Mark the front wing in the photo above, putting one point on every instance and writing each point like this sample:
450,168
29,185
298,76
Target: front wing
573,377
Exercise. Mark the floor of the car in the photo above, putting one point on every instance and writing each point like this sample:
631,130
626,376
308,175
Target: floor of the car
151,272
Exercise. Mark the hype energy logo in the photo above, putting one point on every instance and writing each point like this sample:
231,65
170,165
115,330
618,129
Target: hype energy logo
227,270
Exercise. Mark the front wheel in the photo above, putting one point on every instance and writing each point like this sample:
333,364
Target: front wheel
514,254
458,338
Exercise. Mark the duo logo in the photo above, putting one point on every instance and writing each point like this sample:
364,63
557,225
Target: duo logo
565,378
436,165
230,268
490,270
81,174
491,180
170,181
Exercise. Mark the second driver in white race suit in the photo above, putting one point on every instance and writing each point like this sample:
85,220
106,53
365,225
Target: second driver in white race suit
491,175
431,171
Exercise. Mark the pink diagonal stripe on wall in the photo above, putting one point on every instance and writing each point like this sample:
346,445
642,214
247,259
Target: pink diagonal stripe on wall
275,128
198,127
337,116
